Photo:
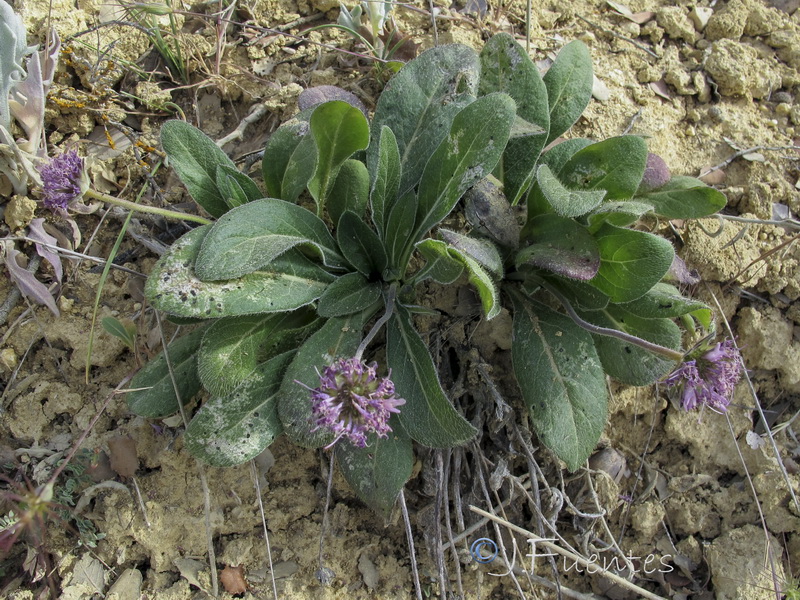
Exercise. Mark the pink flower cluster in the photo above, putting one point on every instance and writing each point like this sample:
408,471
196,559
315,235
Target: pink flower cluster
709,379
63,180
352,401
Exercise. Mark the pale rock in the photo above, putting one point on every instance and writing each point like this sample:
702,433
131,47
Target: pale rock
700,16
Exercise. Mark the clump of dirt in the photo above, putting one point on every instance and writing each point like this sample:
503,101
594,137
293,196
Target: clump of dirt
706,87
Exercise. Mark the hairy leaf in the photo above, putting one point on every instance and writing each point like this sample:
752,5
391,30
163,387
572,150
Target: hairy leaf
418,105
561,379
361,245
476,141
379,471
569,87
684,198
251,236
195,158
506,67
350,191
562,246
615,165
627,362
440,265
339,130
231,429
427,415
564,201
235,187
233,347
631,262
154,393
350,293
385,179
289,158
290,282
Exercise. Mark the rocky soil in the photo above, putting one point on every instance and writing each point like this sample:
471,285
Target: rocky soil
705,497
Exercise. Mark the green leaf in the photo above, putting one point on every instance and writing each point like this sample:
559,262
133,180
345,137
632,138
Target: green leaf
627,362
477,255
562,246
232,429
684,198
427,415
350,293
620,213
385,179
615,165
154,394
339,130
251,236
124,330
337,338
561,379
233,347
419,104
439,265
631,262
506,67
399,228
235,187
483,283
569,87
289,158
361,245
379,471
557,156
351,190
475,143
195,158
290,282
581,295
481,250
564,201
664,301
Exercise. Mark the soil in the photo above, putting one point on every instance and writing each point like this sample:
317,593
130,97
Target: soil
699,499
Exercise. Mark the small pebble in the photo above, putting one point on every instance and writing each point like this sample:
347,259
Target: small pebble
782,97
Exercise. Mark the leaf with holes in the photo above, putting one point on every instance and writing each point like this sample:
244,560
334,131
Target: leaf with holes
231,429
288,283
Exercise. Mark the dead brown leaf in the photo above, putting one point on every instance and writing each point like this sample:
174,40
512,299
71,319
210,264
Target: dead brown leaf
232,579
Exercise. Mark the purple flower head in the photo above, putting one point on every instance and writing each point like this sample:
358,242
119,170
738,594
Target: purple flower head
63,180
352,401
710,378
